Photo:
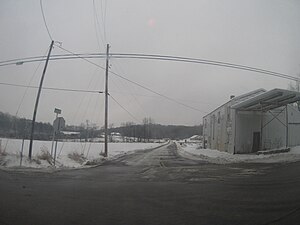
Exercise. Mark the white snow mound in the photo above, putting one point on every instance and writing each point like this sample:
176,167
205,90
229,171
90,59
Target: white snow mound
193,151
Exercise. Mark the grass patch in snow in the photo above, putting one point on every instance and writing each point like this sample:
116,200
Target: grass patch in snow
77,157
2,151
45,155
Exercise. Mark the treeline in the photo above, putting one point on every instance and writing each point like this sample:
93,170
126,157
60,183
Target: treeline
148,131
15,127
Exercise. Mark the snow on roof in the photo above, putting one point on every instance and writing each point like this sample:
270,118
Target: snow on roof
195,136
70,132
268,100
242,97
249,95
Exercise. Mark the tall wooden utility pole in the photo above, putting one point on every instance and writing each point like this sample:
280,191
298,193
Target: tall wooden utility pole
106,103
37,100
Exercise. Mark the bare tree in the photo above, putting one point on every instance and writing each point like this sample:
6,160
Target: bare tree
295,86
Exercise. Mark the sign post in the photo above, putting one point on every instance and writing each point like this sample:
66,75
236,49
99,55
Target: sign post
57,111
58,125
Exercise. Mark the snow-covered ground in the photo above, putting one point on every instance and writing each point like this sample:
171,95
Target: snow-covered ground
214,156
10,152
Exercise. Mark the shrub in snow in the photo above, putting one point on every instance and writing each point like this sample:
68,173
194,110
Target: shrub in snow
37,161
199,147
2,151
102,154
77,157
44,155
3,162
94,161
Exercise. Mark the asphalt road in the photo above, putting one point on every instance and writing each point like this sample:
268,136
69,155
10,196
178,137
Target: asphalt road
153,187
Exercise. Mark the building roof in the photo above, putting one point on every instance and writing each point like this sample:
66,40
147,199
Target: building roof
268,100
70,132
248,95
240,98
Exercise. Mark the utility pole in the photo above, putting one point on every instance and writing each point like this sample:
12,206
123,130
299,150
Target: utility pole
37,100
87,131
106,103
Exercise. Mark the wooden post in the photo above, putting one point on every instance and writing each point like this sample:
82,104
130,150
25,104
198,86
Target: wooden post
261,128
21,153
37,100
106,103
53,136
287,127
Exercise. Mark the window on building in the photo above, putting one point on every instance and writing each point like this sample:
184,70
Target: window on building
219,117
228,113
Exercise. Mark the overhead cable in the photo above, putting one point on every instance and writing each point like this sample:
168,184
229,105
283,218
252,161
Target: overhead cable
51,88
42,10
153,57
130,114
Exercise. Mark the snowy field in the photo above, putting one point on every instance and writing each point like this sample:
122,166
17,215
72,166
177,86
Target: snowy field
82,152
193,151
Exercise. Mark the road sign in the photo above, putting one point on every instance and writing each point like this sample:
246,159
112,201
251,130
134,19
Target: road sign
58,111
59,124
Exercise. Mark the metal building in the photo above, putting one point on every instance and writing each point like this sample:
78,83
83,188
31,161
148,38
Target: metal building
258,120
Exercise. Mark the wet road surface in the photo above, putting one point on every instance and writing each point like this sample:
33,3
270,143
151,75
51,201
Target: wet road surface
153,187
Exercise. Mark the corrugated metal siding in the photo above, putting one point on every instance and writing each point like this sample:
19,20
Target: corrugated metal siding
294,126
274,133
217,128
246,124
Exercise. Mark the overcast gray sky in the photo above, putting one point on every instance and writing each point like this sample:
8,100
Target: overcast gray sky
258,33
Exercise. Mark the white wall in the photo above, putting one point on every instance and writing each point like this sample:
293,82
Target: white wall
246,124
294,126
217,129
234,132
274,133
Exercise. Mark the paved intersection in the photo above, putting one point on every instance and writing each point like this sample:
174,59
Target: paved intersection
153,187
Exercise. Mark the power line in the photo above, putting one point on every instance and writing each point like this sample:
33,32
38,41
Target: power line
22,99
154,96
42,10
79,56
131,93
96,21
50,88
201,61
53,57
39,59
156,57
125,109
157,93
174,58
146,88
104,20
89,97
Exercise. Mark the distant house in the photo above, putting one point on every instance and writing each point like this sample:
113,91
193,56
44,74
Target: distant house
116,137
70,134
258,120
195,138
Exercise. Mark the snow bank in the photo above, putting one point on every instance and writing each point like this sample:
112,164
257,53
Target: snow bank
193,151
10,152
